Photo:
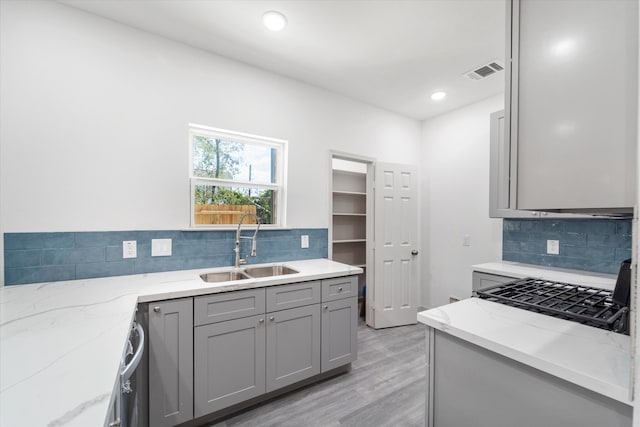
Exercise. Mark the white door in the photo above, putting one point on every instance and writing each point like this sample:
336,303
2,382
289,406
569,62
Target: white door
394,300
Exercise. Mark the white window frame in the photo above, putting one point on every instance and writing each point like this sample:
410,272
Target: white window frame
280,173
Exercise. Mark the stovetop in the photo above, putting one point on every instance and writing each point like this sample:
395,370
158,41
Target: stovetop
583,304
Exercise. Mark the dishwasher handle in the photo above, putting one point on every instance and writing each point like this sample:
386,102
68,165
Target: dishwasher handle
129,369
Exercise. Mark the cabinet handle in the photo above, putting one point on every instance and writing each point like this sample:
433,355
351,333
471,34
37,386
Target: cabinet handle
326,307
545,213
261,320
272,318
339,289
534,213
156,309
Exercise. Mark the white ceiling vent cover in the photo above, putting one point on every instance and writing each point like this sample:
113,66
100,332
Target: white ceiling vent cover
485,70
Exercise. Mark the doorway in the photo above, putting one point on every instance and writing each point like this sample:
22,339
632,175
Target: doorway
351,217
373,225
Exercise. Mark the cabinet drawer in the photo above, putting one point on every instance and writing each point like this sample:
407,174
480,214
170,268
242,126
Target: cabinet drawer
338,288
228,306
294,295
485,280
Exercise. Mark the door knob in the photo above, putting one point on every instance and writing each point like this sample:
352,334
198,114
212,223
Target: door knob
414,252
156,309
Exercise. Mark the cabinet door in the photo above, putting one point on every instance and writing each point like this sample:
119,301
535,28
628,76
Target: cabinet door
502,194
229,363
170,362
293,345
339,333
573,103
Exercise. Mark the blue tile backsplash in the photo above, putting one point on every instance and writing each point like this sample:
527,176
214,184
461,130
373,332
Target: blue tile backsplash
50,257
597,245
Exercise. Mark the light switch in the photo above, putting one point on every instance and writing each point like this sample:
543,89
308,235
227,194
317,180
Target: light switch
160,247
553,247
129,249
304,241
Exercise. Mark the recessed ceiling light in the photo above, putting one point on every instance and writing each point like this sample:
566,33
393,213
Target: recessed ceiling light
437,96
275,21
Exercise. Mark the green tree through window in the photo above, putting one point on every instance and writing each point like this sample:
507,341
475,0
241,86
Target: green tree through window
238,174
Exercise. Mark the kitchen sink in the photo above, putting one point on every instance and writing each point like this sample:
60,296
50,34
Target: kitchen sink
269,270
223,276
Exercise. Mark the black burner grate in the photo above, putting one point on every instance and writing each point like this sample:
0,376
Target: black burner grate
583,304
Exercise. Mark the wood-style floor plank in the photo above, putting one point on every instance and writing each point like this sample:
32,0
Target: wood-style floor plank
385,387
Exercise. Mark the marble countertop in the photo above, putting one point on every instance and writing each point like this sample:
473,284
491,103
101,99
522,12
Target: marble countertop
520,271
589,357
61,343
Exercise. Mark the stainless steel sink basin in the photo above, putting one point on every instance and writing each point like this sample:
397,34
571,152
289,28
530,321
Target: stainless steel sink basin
223,276
269,270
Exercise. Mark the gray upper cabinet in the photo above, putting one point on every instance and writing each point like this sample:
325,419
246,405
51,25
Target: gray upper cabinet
293,345
502,197
170,362
571,104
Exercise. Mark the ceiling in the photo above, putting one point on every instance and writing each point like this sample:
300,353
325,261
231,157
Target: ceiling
388,53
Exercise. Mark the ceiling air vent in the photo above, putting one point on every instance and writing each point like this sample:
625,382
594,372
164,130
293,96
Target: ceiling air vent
485,70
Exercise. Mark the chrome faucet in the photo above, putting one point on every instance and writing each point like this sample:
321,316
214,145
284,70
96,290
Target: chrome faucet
253,239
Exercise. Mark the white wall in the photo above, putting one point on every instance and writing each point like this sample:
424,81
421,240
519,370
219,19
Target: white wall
455,201
94,115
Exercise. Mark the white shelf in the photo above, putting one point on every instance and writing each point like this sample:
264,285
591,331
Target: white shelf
351,193
349,218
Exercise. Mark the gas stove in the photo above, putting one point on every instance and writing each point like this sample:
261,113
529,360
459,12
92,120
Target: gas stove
577,303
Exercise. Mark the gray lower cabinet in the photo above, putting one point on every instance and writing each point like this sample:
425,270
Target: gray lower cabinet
229,363
339,329
471,386
245,344
293,345
170,362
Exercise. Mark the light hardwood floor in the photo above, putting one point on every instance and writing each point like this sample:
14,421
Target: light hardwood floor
385,387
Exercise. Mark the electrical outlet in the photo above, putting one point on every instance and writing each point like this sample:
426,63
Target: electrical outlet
160,247
466,240
304,241
129,249
553,247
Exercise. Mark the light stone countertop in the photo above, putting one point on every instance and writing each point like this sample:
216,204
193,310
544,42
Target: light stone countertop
520,271
61,343
593,358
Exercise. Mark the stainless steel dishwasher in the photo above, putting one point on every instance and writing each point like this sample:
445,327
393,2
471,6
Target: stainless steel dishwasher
128,394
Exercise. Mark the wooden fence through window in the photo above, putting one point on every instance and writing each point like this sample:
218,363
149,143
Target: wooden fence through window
223,214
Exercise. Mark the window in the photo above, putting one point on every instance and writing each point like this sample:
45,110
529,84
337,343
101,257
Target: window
233,173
